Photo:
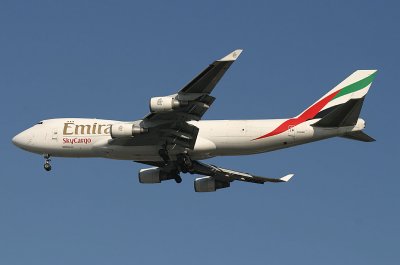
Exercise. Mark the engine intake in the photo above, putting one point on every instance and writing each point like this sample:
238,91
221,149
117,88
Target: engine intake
126,130
209,184
164,104
155,175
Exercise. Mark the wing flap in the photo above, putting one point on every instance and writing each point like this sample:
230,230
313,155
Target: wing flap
178,133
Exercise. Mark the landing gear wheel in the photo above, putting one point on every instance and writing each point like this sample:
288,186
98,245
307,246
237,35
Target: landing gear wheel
47,160
186,164
178,179
187,161
47,166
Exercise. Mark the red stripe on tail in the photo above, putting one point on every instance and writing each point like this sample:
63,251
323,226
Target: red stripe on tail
310,113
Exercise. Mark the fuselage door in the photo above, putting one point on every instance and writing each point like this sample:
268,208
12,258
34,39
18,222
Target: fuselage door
292,132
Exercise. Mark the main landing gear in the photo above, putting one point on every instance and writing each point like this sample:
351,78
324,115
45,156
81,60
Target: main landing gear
178,179
47,160
185,163
163,153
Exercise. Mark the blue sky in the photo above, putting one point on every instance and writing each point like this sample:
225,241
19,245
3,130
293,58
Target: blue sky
105,59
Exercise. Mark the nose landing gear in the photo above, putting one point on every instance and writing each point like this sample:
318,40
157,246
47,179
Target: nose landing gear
47,160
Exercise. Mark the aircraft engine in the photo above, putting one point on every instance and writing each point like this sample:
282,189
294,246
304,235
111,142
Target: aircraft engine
155,175
208,184
125,130
163,104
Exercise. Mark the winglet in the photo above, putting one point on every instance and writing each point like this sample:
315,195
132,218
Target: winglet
286,178
232,56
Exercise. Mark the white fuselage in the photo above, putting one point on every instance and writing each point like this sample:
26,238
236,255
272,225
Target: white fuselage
77,137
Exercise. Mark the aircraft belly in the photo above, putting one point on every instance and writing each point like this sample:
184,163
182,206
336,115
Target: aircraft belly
247,146
238,137
139,153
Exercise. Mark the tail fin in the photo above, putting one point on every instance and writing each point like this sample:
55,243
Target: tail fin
342,105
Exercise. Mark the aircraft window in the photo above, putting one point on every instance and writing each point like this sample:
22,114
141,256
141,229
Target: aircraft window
40,122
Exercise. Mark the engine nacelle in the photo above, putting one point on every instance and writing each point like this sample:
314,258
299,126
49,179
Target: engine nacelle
209,184
154,175
125,130
163,104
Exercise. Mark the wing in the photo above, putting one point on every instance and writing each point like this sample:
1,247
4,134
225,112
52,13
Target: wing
227,175
206,81
218,173
197,92
194,100
214,177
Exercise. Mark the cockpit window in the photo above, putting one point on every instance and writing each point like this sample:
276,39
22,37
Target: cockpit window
40,122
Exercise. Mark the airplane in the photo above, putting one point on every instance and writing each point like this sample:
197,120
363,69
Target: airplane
173,139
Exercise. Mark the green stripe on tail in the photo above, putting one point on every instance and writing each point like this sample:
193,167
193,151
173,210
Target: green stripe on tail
356,86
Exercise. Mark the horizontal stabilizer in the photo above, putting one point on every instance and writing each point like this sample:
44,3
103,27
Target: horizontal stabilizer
359,136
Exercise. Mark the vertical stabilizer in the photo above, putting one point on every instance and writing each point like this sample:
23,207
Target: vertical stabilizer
353,88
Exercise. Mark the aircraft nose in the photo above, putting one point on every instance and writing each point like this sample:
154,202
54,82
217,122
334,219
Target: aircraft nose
23,139
17,140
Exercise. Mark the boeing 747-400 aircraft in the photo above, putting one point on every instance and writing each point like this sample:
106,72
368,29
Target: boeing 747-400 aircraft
173,139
